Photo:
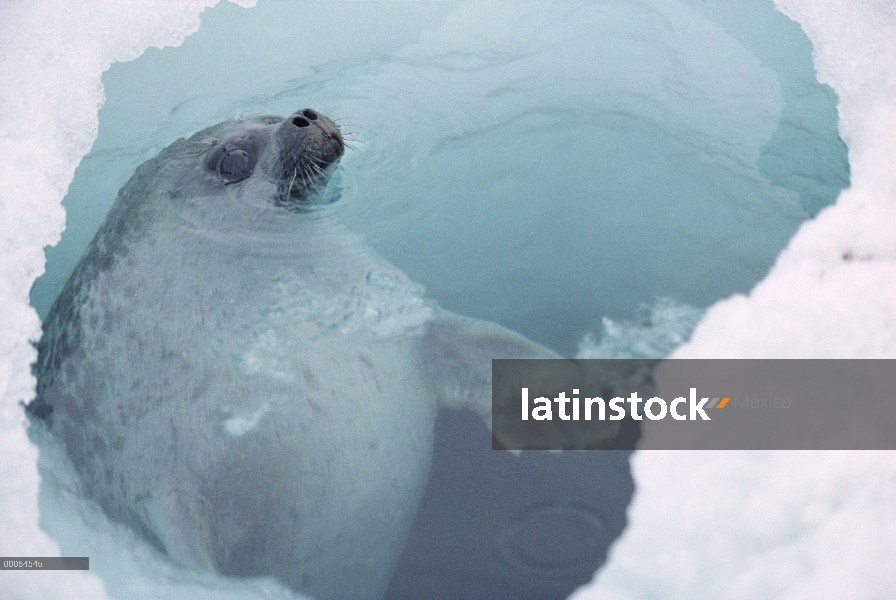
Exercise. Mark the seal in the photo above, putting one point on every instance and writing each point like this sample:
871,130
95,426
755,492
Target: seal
242,381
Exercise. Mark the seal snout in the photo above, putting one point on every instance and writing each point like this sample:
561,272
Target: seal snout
308,117
307,146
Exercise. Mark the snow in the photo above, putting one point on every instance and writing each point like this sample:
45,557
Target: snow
731,524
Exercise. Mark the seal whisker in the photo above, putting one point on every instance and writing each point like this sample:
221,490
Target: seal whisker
349,127
316,169
292,181
353,140
308,178
313,179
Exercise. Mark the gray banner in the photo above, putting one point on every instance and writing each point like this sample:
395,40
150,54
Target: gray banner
45,563
694,404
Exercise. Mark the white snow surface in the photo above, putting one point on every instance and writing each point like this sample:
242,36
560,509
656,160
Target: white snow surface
702,524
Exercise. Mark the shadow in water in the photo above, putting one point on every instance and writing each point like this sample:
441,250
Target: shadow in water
499,525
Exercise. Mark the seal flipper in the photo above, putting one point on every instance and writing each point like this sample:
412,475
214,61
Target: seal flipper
458,355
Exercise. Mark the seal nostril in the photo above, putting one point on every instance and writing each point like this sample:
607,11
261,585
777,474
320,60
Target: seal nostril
310,114
300,122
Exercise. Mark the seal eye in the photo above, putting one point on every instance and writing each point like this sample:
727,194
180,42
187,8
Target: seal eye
234,166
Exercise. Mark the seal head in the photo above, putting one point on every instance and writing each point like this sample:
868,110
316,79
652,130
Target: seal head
297,154
224,178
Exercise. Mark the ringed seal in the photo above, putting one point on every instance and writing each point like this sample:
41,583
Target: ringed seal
247,385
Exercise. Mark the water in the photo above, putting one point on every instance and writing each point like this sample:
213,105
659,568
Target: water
521,176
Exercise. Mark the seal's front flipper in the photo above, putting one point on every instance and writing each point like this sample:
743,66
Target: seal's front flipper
458,353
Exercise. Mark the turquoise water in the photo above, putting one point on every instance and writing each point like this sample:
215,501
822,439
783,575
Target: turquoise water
540,168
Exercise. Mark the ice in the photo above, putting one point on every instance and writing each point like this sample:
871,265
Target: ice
795,525
746,525
702,525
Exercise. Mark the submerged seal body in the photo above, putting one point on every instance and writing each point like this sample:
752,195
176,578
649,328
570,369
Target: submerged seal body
242,381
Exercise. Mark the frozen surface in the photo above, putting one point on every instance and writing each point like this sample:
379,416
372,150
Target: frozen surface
713,101
746,525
